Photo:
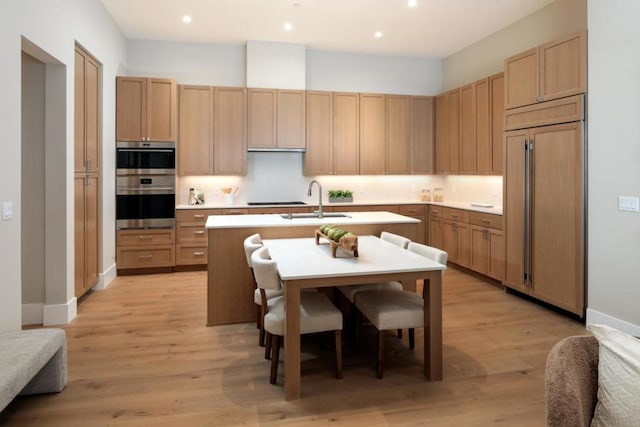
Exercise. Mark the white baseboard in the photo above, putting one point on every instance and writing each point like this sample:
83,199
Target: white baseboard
595,317
32,314
60,314
106,278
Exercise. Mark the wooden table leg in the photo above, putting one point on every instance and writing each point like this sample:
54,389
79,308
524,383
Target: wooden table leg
433,333
292,342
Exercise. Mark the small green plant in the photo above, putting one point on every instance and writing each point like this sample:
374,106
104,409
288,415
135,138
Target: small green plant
340,193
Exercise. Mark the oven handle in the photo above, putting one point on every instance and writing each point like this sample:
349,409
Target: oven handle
156,190
146,150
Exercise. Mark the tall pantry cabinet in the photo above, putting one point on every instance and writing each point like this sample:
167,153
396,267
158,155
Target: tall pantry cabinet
86,171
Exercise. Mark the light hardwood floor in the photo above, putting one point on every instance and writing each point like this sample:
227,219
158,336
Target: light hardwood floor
140,354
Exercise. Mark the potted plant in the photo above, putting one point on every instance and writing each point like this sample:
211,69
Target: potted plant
340,196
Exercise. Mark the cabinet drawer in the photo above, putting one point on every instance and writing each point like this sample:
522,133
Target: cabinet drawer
195,215
435,211
144,237
279,210
486,220
235,211
190,233
412,210
459,215
191,254
151,256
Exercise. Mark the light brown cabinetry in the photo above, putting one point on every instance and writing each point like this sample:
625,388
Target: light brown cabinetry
448,132
191,235
468,129
496,117
146,109
418,212
195,149
455,235
145,248
372,134
422,134
86,171
435,227
487,245
346,133
230,131
275,118
553,70
318,159
398,135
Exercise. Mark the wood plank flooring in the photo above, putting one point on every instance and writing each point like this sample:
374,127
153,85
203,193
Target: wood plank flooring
140,354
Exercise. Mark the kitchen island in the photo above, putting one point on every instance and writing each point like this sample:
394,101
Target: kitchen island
229,282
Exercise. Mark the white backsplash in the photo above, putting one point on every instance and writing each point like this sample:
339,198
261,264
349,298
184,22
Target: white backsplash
277,176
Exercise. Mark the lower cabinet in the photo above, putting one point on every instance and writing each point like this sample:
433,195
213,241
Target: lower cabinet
417,212
145,248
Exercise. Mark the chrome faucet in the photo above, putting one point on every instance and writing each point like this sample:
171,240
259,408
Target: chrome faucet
319,196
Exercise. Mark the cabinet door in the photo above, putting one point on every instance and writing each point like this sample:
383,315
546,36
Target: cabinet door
86,242
467,130
195,150
454,131
563,67
161,110
442,134
131,109
92,116
317,157
436,233
479,248
483,146
422,135
557,242
514,209
496,95
291,119
463,244
496,254
522,77
398,139
79,157
346,133
79,235
261,118
372,134
450,240
230,138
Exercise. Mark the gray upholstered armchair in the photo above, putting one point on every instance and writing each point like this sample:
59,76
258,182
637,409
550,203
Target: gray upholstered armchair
571,382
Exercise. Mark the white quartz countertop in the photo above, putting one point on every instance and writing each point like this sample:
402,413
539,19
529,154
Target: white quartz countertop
275,220
496,210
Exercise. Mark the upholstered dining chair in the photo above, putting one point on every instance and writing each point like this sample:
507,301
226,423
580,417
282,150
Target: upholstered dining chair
251,244
317,313
396,309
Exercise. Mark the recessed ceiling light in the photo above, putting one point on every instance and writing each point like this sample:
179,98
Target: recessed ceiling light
412,3
287,26
377,34
296,4
186,19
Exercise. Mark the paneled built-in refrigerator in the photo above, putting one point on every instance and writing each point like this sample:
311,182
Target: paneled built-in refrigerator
544,202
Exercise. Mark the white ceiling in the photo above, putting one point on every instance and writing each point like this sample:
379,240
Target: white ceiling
434,28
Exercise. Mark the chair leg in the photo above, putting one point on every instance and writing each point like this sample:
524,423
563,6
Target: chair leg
261,337
400,333
380,354
274,359
258,317
412,338
267,348
338,354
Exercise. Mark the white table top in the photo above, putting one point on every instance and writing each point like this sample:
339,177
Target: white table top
275,220
303,259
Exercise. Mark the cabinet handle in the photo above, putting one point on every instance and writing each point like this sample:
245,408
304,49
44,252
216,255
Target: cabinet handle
232,212
198,216
198,232
145,237
486,221
435,212
198,253
145,256
454,215
87,179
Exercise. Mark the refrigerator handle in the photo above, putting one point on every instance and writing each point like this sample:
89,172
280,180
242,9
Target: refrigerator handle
525,214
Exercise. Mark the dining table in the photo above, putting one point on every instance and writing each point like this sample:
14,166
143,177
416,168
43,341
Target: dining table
303,263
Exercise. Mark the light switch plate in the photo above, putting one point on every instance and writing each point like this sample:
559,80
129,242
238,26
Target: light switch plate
7,210
628,204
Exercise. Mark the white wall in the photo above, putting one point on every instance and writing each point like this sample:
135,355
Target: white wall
276,65
486,57
54,27
614,163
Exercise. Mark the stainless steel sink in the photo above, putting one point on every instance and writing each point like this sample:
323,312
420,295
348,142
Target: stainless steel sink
314,215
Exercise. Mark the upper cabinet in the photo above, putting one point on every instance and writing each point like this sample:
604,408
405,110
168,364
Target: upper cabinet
422,134
467,129
448,132
318,158
554,70
230,131
195,148
276,119
489,124
398,140
346,133
372,134
146,109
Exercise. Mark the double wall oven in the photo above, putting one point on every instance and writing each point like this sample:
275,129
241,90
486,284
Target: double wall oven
145,185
